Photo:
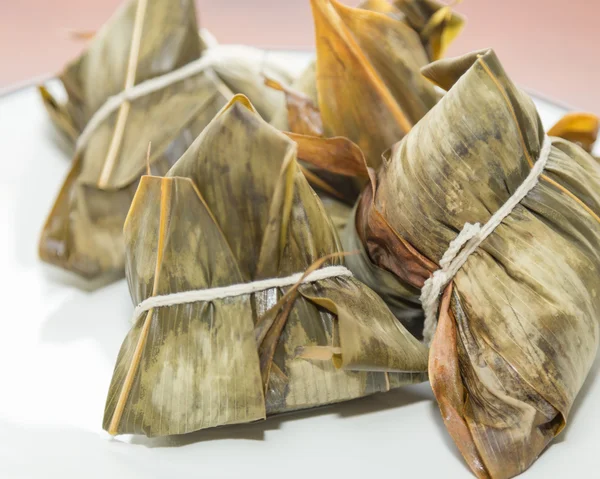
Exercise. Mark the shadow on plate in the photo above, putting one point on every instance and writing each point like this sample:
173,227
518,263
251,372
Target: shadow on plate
436,417
40,451
62,277
257,431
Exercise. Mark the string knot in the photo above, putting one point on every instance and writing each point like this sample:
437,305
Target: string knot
467,242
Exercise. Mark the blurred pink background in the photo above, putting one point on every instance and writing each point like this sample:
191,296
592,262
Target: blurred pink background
547,46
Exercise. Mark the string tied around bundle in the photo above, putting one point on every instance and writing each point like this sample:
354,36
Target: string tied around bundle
467,242
240,289
210,62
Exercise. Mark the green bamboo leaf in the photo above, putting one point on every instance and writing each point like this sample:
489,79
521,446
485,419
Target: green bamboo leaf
518,326
237,208
366,83
142,43
83,230
169,40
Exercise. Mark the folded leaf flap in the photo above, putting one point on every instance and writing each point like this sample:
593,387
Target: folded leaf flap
494,146
343,72
446,383
446,72
83,230
437,24
336,155
195,254
232,164
301,114
306,86
394,50
443,28
275,239
580,128
60,115
177,383
308,235
169,40
525,304
297,383
371,339
143,217
336,167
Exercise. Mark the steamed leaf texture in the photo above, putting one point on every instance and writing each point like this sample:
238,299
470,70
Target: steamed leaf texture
144,40
368,85
169,41
220,217
518,327
368,80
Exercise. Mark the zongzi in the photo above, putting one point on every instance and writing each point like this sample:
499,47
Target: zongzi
478,202
369,86
228,328
141,80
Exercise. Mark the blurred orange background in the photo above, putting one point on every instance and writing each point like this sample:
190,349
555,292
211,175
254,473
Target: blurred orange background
547,46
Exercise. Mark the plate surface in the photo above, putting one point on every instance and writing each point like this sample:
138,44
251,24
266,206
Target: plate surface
59,343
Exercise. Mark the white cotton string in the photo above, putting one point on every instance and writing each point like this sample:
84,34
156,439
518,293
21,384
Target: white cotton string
469,239
214,58
234,290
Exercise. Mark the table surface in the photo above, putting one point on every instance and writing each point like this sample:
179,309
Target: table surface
59,344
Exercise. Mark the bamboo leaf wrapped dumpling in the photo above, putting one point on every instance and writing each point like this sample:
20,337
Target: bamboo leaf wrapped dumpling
160,90
518,324
368,80
83,232
169,41
142,41
368,85
368,62
221,217
434,23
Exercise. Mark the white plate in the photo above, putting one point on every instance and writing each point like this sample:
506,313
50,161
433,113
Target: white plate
58,345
